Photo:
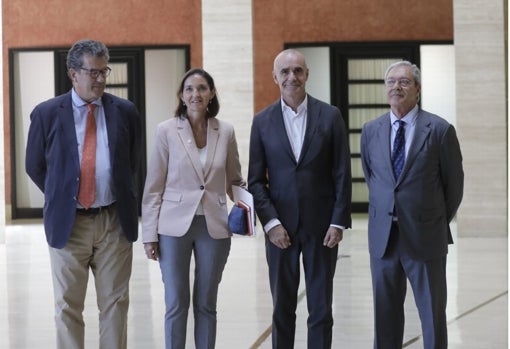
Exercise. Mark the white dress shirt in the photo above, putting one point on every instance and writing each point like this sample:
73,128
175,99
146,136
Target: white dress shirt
295,125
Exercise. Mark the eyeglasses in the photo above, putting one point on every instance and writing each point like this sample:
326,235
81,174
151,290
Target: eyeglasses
401,82
94,73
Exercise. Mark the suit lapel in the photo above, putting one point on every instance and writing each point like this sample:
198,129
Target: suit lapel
313,116
279,129
66,116
186,135
384,140
212,140
111,119
421,133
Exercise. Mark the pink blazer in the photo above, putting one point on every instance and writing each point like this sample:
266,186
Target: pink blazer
176,182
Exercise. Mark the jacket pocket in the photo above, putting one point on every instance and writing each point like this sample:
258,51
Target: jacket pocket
172,196
222,199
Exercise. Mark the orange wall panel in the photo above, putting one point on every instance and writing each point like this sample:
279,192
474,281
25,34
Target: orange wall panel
60,23
115,22
300,21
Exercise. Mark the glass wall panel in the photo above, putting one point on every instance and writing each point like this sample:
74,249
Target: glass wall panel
359,116
121,92
357,170
119,74
359,192
354,139
368,69
366,93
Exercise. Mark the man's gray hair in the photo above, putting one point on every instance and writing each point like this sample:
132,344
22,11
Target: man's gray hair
414,70
85,47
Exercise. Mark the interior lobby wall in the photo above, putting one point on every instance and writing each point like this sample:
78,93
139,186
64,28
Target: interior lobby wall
60,23
304,21
478,30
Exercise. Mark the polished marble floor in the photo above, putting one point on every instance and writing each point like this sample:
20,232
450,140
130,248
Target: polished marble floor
477,304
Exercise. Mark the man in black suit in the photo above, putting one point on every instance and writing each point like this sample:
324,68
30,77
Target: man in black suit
300,177
89,224
411,203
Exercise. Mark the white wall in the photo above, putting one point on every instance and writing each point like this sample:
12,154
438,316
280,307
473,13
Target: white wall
32,86
319,80
438,80
163,72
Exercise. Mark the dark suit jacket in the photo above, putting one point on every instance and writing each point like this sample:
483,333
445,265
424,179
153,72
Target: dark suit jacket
313,192
52,162
428,192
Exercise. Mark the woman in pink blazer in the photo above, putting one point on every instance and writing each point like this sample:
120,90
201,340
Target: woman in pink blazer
192,168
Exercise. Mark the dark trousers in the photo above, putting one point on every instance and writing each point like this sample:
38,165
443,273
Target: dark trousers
319,264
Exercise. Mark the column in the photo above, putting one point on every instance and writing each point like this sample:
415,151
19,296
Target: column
228,57
479,36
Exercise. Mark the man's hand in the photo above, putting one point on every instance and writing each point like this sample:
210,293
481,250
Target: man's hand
279,237
151,250
333,237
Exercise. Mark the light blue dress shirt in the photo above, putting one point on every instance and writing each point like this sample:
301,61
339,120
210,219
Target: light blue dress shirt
104,195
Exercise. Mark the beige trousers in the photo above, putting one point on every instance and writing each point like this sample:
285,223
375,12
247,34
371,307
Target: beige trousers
96,243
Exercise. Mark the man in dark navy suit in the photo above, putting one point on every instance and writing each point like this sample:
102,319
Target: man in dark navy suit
300,177
88,224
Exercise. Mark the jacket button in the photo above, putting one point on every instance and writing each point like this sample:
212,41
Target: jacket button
202,187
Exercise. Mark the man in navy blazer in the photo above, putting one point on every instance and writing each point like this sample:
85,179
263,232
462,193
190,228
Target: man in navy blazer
80,237
300,177
409,214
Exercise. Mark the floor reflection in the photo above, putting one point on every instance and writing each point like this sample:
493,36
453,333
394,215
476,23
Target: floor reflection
477,282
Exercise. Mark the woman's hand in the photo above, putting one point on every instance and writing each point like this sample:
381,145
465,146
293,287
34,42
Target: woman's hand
151,250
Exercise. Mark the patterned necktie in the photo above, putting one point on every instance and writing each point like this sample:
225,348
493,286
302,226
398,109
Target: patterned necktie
399,149
86,194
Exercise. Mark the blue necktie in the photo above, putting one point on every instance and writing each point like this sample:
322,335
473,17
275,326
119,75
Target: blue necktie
399,149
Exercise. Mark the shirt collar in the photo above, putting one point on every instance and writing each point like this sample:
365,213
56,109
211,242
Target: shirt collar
302,107
409,118
78,102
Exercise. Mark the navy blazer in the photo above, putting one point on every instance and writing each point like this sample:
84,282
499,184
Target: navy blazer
52,162
314,191
428,192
